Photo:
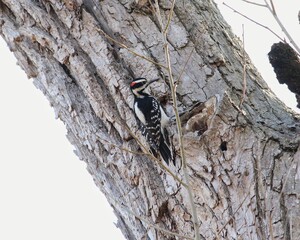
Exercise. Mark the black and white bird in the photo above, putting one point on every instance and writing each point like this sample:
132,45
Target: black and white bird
152,119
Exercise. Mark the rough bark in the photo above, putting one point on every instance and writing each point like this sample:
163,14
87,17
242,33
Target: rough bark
243,162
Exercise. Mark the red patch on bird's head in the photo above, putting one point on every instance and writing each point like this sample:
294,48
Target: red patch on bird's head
132,84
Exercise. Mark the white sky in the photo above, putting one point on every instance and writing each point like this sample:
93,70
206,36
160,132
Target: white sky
46,193
258,41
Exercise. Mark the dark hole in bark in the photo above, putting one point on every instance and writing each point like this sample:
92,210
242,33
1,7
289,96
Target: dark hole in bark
223,146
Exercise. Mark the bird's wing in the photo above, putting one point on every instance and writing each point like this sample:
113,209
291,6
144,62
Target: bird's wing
149,120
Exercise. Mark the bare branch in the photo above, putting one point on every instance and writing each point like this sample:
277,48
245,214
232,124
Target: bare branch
273,8
178,122
289,37
254,3
281,39
147,153
170,16
231,217
122,148
128,49
184,67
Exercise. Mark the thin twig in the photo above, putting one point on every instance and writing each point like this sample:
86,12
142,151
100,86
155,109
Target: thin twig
147,222
184,67
273,8
178,122
128,49
281,39
244,70
123,149
169,17
231,217
254,3
289,37
147,153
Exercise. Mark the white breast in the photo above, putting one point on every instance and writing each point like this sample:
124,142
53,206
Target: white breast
139,114
164,118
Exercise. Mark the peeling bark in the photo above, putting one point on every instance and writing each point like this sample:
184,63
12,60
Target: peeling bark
243,162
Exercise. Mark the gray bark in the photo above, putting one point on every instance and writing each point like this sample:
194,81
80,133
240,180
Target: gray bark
243,162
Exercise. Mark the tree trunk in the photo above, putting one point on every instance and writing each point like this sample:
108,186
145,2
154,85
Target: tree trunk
242,161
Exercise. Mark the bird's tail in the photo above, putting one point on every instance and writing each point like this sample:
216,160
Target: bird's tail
165,151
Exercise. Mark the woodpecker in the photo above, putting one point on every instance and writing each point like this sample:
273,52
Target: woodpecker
152,119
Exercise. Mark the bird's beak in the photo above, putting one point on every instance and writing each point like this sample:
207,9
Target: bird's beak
151,81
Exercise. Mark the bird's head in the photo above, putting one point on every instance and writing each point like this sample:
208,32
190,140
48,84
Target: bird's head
138,85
